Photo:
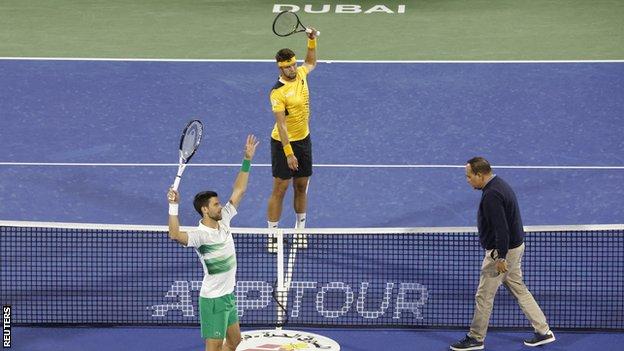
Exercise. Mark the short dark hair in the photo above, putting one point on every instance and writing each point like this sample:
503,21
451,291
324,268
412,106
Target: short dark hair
203,199
284,55
480,165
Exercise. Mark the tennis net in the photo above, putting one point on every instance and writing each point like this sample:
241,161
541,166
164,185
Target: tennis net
58,273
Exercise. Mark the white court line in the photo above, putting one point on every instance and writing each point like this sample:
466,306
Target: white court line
68,164
113,59
314,231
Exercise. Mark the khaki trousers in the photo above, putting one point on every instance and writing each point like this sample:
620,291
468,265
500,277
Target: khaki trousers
489,283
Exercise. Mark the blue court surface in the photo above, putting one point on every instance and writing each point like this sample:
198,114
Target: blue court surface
390,140
96,142
182,339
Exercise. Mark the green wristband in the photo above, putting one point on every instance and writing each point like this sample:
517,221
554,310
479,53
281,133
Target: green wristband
246,166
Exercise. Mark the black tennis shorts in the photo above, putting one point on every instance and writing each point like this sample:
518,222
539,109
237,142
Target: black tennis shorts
303,152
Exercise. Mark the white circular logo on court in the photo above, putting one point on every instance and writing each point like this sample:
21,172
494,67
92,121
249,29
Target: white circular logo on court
285,340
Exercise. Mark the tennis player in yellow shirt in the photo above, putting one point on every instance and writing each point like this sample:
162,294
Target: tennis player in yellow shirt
291,146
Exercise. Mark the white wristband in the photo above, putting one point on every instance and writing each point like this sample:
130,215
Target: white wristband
173,209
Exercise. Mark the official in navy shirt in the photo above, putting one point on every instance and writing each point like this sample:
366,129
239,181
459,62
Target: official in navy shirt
498,218
502,237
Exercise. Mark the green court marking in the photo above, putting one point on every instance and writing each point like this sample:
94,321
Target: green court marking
428,30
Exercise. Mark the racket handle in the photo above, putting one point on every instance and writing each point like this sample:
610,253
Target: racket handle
176,183
317,33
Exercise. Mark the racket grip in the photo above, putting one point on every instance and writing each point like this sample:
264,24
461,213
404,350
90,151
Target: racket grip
317,33
176,183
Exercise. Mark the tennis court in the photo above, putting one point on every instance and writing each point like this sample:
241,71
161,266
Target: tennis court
91,114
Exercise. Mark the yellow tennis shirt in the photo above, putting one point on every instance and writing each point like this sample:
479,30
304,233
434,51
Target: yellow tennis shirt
292,98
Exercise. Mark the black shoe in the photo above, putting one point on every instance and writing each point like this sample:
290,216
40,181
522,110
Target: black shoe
539,339
467,343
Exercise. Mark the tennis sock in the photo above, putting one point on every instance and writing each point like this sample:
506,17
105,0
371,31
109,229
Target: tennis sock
301,221
272,224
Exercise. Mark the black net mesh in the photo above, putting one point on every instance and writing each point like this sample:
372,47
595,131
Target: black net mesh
129,277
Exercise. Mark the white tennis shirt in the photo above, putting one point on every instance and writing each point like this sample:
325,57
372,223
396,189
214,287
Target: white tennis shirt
215,248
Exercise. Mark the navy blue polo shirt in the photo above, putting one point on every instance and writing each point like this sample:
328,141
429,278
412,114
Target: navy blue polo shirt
498,219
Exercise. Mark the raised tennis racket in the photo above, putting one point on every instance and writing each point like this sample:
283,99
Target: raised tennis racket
189,142
287,23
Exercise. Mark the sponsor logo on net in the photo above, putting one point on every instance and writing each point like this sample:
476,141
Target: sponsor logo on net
329,300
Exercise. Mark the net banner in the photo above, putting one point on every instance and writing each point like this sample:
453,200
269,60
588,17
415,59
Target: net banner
410,278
